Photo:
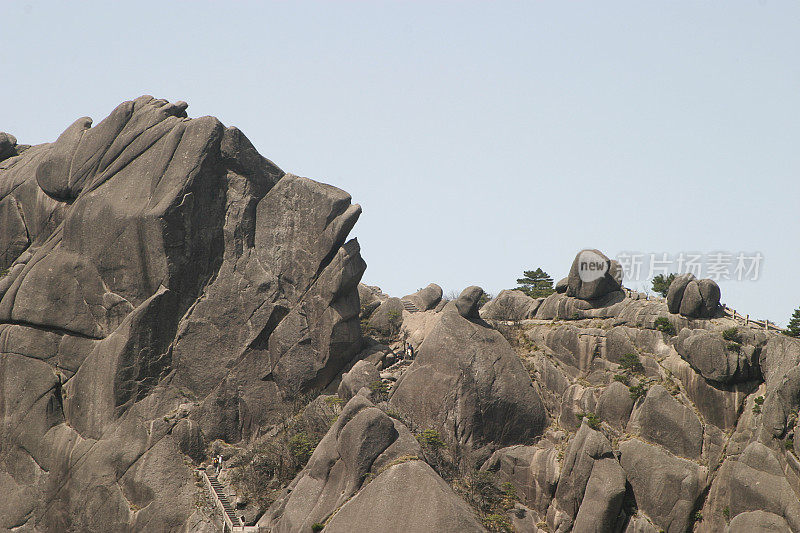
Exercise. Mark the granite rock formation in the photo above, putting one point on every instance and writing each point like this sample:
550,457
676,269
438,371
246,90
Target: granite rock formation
165,283
166,294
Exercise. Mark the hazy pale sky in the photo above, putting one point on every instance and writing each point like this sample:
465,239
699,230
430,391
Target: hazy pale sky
480,138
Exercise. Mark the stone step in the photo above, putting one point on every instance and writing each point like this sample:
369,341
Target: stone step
219,492
409,306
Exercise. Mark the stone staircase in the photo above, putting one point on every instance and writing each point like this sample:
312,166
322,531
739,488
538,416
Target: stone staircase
409,306
226,504
232,523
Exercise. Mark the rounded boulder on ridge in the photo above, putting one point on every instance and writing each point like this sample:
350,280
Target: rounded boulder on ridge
593,275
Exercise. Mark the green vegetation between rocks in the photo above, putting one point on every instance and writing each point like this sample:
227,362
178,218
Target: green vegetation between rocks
661,284
732,335
592,420
430,438
638,391
380,390
758,401
663,324
536,283
793,328
479,488
630,362
260,471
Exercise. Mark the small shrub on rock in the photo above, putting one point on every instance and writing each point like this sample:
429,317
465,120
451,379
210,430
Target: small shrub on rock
509,495
631,363
592,420
758,401
380,389
733,346
430,438
316,526
497,523
637,391
732,335
334,401
536,283
663,324
622,378
792,328
661,284
301,446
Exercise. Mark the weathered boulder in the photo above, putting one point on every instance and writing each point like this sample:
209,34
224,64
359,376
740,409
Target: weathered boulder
779,362
562,306
615,405
700,299
779,356
577,401
562,285
573,346
676,290
363,441
367,294
666,487
693,298
758,483
387,318
718,404
8,144
315,418
363,374
593,275
427,298
468,302
618,343
663,420
640,524
758,522
602,500
468,383
409,497
375,352
511,305
551,378
591,486
716,359
533,470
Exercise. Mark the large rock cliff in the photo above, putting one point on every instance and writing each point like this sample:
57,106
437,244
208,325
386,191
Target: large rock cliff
165,285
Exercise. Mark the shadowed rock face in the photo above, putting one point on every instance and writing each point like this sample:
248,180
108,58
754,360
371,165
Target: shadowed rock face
467,382
161,274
